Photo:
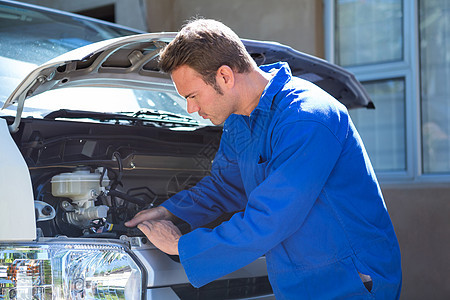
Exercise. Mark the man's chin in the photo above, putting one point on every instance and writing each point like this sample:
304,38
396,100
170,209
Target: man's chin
216,122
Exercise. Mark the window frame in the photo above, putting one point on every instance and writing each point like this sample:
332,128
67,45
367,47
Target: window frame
408,69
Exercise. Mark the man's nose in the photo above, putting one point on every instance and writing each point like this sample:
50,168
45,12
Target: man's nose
192,107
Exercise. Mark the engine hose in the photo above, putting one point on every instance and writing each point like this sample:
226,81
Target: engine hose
127,197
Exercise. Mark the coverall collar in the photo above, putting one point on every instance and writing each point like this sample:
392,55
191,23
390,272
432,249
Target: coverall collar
281,74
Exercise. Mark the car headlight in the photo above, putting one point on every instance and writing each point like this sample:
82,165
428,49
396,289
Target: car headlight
69,270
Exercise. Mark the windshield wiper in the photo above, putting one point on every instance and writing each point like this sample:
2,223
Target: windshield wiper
164,115
141,116
78,114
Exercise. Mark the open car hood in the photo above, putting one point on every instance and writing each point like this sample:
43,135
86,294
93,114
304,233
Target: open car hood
132,62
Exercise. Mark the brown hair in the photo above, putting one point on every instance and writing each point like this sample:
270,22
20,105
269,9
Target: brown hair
206,45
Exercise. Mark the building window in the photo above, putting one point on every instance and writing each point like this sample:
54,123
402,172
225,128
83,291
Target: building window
368,32
400,51
434,45
370,41
383,129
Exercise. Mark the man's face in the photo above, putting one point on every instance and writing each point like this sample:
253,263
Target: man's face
202,97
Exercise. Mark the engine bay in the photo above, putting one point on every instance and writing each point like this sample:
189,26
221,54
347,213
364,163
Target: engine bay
90,178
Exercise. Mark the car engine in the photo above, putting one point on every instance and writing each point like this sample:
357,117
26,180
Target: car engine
89,178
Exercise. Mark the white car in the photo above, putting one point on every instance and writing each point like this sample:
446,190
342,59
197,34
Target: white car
95,135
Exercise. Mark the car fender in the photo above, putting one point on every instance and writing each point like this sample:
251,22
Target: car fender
17,217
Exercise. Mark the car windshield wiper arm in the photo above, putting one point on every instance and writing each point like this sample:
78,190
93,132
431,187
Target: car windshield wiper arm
141,115
164,115
78,114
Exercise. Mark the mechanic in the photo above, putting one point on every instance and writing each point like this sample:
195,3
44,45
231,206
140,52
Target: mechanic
290,164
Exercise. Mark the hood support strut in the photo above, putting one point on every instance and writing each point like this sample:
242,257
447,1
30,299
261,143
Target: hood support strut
20,104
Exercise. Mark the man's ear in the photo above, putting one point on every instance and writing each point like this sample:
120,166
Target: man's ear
225,76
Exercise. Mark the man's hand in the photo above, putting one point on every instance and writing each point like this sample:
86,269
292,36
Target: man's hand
152,214
163,234
156,225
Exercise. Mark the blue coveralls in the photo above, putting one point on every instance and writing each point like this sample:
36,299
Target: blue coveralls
310,199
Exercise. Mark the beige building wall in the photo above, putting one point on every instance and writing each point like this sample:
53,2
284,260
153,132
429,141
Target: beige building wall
292,22
421,218
297,23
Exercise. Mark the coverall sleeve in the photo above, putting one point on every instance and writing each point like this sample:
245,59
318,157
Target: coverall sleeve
214,195
304,154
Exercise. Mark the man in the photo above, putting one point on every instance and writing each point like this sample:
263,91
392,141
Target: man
292,166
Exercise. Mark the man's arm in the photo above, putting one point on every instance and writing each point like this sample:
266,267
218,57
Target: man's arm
219,193
304,155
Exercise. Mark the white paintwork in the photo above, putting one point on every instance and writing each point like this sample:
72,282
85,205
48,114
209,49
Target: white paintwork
163,271
17,218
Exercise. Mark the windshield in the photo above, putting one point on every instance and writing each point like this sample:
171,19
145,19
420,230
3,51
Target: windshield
36,36
105,100
31,37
